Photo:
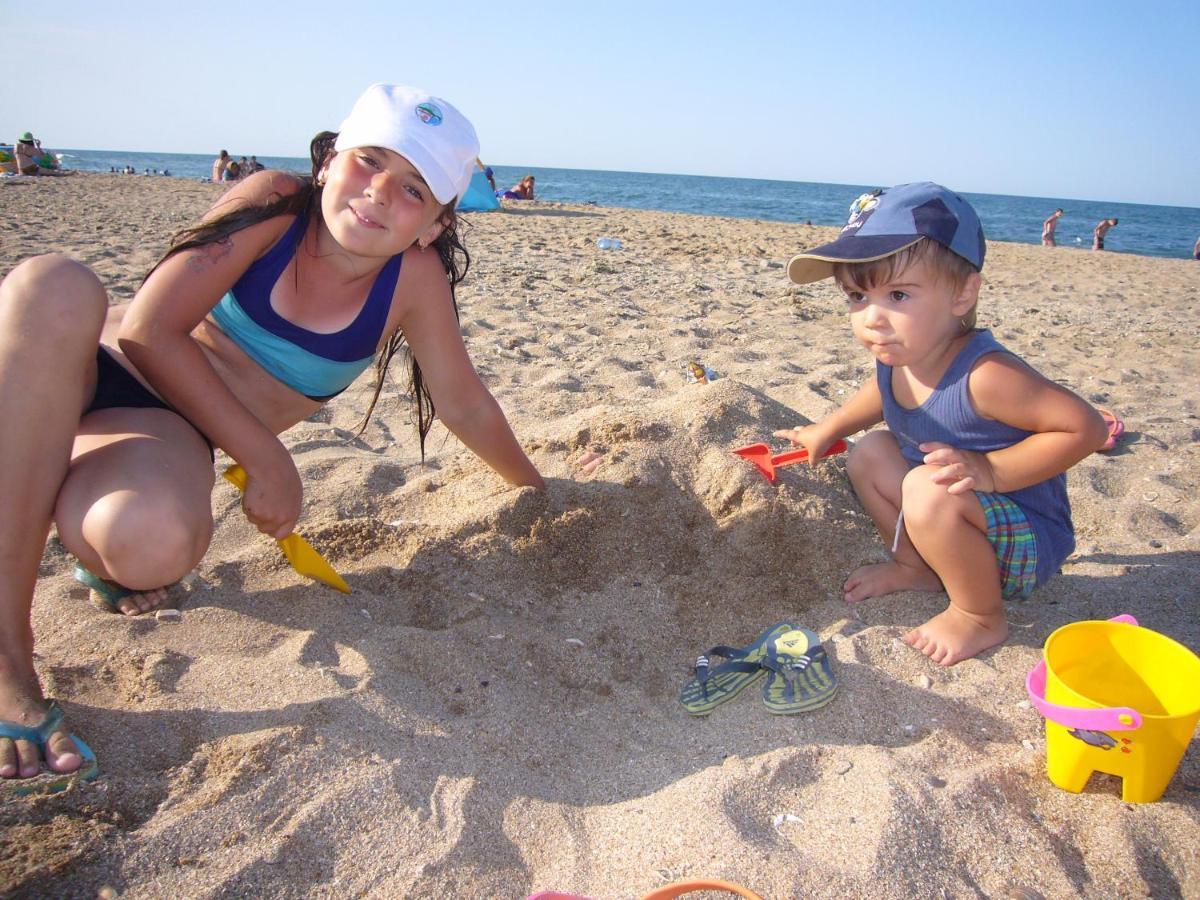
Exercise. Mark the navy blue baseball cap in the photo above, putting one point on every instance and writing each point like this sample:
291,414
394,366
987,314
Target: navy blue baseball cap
888,220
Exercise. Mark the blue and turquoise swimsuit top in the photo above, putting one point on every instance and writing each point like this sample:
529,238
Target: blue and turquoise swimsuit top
317,365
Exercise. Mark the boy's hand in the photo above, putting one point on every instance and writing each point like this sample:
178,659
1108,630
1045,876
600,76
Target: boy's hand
959,470
811,437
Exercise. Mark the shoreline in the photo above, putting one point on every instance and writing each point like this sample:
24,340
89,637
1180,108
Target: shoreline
1183,252
494,710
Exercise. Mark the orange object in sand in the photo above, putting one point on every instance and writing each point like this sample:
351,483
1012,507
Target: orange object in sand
668,891
761,457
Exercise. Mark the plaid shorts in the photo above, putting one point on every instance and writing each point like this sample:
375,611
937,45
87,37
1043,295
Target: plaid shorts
1012,538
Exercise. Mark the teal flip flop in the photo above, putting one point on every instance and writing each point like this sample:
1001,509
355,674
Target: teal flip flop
47,781
712,685
105,594
800,676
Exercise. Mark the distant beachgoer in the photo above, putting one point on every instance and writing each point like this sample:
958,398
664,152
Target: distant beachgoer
1100,231
487,172
27,151
1196,250
522,190
244,167
1048,228
254,166
119,407
220,164
233,171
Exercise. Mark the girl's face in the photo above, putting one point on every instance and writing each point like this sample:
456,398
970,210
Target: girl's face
376,204
911,318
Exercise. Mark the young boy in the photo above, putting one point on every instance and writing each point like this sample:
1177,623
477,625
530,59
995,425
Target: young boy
966,484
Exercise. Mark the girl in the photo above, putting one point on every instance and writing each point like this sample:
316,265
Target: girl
273,304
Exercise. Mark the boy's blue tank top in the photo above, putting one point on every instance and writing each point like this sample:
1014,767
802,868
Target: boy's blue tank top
949,417
317,365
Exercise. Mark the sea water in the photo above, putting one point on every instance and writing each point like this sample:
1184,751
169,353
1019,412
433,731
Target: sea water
1150,230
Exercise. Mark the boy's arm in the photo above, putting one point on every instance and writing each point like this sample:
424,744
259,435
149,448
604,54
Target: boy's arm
1007,390
861,411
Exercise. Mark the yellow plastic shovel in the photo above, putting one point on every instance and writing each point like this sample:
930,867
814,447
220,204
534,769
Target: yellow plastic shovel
299,552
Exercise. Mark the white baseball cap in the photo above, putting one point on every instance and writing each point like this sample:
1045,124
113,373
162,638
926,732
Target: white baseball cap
426,130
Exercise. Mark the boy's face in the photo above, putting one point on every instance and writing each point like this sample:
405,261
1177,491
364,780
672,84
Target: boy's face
907,320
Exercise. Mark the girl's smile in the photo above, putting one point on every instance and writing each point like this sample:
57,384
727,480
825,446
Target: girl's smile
375,203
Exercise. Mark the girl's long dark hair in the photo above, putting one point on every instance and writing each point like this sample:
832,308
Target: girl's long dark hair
307,200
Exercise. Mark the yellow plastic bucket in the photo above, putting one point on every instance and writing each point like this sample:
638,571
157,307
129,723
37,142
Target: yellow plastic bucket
1117,698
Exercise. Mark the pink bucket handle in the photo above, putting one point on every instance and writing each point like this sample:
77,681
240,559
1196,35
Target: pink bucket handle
1115,718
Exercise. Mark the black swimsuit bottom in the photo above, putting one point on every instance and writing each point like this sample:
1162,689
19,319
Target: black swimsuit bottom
117,389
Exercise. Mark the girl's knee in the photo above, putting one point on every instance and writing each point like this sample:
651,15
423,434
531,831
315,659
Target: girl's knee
54,294
145,544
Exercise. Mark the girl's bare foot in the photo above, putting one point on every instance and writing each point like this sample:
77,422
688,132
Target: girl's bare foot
954,635
22,759
135,604
886,578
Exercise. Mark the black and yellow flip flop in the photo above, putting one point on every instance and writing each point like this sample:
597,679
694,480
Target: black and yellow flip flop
712,685
800,675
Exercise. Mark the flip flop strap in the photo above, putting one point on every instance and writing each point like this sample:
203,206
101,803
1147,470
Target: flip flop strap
109,590
790,666
38,734
704,671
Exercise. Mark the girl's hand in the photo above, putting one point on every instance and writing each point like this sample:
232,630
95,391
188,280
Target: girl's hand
273,496
812,438
959,470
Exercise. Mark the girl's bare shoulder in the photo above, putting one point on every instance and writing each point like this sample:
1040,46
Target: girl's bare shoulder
259,189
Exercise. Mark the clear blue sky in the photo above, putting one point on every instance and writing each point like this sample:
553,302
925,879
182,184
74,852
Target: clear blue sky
1093,100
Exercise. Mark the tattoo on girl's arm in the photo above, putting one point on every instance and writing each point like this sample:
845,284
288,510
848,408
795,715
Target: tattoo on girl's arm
210,254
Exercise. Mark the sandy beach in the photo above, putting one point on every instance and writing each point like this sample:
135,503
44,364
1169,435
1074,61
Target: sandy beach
493,710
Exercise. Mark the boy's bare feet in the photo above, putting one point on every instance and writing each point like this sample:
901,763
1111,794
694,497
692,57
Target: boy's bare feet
887,578
954,635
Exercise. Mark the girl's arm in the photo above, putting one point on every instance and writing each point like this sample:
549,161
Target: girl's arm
156,336
858,413
462,402
1007,390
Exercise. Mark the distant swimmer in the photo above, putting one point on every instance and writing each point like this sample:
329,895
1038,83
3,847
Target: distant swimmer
1048,228
1100,231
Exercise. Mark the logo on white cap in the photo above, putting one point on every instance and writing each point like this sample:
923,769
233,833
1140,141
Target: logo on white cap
429,113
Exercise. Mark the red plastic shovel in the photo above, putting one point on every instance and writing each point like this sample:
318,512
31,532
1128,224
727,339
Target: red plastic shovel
766,462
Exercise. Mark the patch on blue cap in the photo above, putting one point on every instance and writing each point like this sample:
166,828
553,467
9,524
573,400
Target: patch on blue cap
934,219
429,113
